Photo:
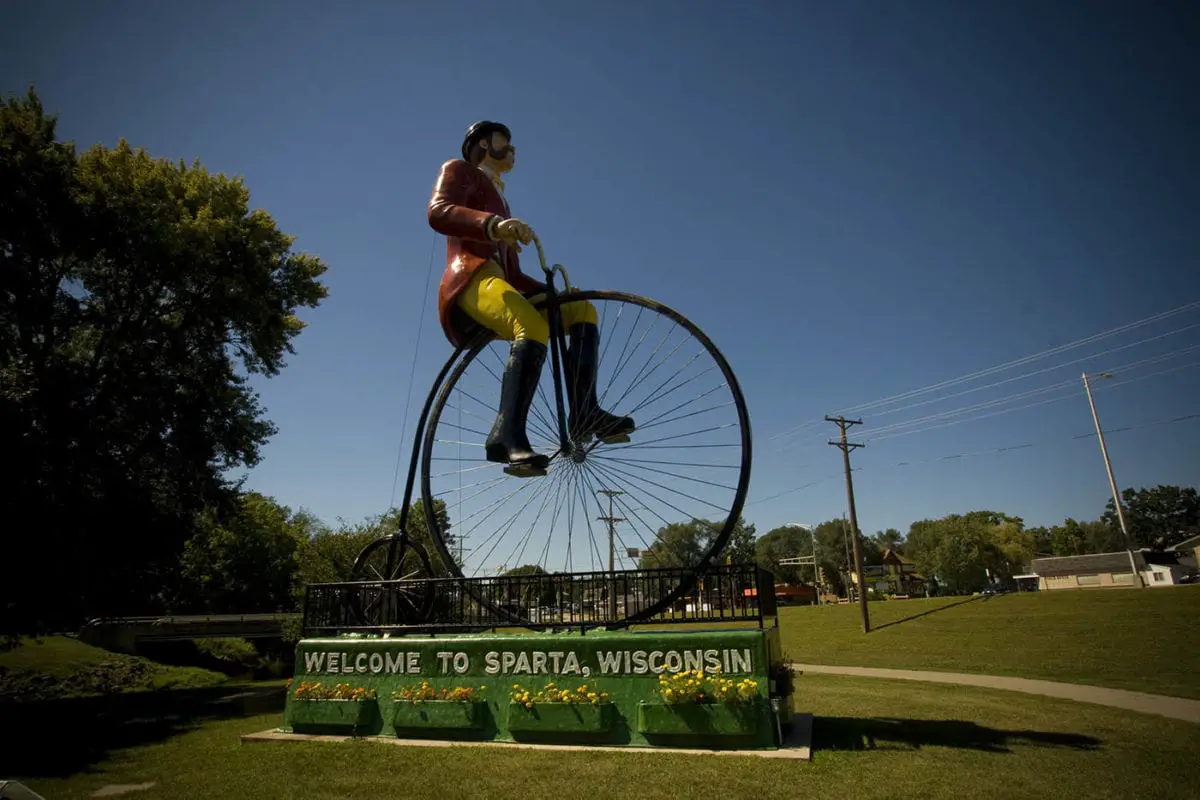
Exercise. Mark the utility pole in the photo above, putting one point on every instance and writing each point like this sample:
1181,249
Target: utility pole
1111,480
611,520
846,447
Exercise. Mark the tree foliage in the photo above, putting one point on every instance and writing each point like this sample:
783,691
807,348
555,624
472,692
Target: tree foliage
1157,517
136,296
683,544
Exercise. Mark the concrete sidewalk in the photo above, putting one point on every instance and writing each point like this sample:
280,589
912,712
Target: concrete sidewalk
1173,707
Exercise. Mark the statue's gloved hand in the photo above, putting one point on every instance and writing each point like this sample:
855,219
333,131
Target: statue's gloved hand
511,231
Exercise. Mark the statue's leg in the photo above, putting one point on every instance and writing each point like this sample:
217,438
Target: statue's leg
582,362
494,303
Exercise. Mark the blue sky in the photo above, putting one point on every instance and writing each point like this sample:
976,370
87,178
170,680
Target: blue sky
854,200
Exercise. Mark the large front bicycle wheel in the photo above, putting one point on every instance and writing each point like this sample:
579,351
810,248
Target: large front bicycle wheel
670,497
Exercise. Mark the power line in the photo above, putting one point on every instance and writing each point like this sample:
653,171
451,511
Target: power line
1001,367
1043,370
1071,383
934,420
985,451
898,433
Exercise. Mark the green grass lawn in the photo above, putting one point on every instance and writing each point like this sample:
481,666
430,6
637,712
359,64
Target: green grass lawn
873,738
1144,640
61,667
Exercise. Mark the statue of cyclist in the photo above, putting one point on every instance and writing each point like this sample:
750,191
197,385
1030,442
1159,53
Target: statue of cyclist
483,286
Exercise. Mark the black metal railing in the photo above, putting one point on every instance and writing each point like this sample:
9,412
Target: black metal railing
737,592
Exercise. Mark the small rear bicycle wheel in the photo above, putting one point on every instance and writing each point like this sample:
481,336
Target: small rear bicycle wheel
670,497
394,590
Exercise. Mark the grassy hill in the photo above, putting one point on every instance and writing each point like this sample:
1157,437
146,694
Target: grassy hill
59,667
1144,640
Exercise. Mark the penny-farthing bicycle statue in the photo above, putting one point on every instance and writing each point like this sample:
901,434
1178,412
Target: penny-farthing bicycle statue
599,503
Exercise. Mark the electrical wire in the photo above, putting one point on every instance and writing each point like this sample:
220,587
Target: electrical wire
985,451
1072,382
1101,387
998,368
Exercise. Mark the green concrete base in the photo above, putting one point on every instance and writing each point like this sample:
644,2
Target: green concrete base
618,670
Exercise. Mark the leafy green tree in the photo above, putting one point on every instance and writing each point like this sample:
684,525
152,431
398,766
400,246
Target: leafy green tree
137,297
248,562
1157,517
959,550
891,539
684,544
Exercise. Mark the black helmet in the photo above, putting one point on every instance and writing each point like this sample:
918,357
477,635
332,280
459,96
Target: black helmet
479,130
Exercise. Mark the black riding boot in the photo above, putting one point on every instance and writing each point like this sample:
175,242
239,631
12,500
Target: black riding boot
507,443
587,417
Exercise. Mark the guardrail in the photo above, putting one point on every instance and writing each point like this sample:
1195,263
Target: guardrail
546,601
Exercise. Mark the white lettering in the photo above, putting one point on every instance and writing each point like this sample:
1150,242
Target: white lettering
693,659
539,663
674,661
639,662
360,662
347,667
376,663
628,669
445,658
653,668
461,663
712,660
331,664
523,663
555,660
740,661
394,666
492,660
413,663
313,662
571,664
609,662
507,659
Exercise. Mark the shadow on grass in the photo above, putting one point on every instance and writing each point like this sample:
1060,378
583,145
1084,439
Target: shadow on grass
57,738
924,614
885,733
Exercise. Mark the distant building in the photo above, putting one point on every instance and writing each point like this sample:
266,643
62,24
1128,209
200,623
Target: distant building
1107,570
897,575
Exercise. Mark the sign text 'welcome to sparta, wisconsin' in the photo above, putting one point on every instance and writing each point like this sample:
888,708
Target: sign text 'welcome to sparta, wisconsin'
520,662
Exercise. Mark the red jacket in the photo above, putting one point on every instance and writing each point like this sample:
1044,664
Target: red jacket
463,202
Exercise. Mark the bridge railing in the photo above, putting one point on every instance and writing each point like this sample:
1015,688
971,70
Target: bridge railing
737,592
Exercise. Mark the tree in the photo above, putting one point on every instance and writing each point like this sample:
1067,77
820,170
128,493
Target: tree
246,563
891,539
684,543
777,544
137,297
1157,517
959,550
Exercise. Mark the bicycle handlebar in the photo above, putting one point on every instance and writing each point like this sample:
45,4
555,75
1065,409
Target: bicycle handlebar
549,271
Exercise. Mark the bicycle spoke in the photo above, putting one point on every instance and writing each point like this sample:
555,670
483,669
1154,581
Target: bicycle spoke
679,481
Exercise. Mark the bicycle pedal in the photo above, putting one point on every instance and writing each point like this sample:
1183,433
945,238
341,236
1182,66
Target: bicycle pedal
524,471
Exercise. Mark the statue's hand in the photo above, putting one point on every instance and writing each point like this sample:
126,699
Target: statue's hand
511,231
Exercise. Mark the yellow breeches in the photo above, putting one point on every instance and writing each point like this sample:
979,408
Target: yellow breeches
495,304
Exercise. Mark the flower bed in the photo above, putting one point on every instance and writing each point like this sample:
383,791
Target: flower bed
554,710
696,703
421,707
316,707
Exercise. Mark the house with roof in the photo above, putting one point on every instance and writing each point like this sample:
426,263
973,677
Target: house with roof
1109,570
897,575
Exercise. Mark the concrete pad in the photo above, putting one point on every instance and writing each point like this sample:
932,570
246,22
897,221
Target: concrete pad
122,788
796,747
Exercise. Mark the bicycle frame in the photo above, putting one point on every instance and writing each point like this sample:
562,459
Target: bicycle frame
557,358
